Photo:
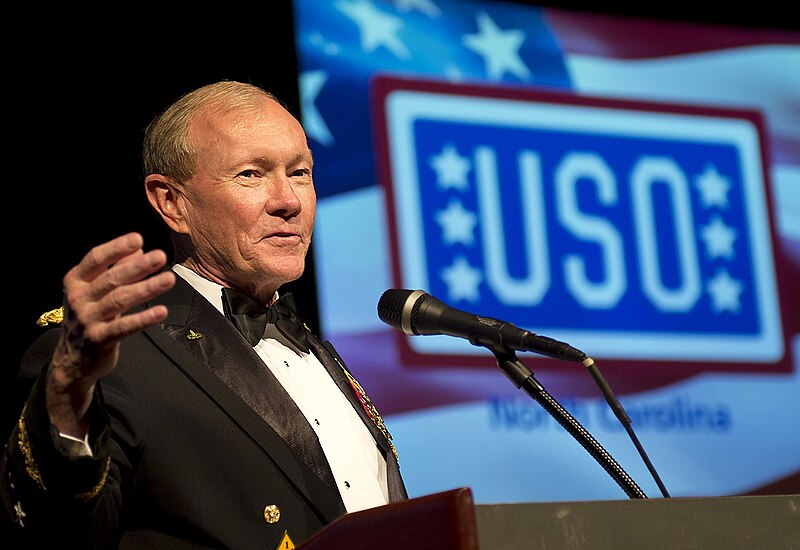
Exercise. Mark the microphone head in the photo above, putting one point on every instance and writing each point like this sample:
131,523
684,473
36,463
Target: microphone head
390,306
398,308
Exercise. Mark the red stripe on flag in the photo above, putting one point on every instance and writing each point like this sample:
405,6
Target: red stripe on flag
633,37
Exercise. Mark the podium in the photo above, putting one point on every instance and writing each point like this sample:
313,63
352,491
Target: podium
444,521
452,521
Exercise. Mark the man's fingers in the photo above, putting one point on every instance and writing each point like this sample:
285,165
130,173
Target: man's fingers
129,270
99,258
118,328
99,342
113,278
124,297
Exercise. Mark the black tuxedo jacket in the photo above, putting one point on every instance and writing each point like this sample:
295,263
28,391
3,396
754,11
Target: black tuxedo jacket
196,445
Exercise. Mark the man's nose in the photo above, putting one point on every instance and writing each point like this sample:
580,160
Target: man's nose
283,197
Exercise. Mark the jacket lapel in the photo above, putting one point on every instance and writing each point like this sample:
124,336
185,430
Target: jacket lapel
210,351
358,398
336,368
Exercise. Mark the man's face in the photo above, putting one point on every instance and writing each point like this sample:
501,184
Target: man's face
250,206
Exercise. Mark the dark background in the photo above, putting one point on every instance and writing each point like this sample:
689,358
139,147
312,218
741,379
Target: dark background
82,88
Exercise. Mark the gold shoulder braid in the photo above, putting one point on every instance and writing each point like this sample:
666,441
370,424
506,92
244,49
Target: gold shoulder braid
54,317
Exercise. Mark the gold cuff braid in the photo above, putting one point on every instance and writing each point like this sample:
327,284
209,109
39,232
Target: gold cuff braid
94,491
33,470
27,453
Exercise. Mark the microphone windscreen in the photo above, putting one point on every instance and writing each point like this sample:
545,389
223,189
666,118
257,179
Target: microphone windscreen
390,306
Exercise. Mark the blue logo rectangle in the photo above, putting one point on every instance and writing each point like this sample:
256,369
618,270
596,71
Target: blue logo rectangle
629,231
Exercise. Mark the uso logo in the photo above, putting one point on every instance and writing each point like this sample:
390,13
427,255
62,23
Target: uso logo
632,231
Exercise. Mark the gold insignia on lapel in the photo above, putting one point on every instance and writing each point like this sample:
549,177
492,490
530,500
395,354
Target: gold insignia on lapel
285,542
192,335
54,317
272,513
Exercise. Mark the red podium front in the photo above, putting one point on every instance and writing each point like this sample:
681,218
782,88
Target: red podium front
445,521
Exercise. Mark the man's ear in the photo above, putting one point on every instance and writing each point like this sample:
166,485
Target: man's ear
166,198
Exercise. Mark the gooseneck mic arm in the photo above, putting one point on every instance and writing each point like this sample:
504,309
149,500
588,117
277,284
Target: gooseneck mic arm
522,377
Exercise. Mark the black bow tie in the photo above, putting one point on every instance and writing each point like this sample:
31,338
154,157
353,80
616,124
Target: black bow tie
251,318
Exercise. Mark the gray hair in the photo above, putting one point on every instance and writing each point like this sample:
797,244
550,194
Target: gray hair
166,148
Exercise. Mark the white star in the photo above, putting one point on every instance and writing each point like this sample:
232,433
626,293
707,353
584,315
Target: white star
713,187
724,291
375,27
452,73
718,238
425,6
329,48
457,223
462,280
499,49
311,83
451,168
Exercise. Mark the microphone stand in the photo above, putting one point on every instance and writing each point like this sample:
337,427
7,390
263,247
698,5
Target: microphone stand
624,419
522,377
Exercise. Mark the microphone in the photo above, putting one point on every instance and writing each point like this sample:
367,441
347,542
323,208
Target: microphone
416,312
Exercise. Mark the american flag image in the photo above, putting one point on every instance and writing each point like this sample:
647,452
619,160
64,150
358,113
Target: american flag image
631,186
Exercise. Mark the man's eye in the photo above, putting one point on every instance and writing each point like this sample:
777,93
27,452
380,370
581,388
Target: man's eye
247,174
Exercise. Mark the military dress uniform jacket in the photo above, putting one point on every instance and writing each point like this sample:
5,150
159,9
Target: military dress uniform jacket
196,445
